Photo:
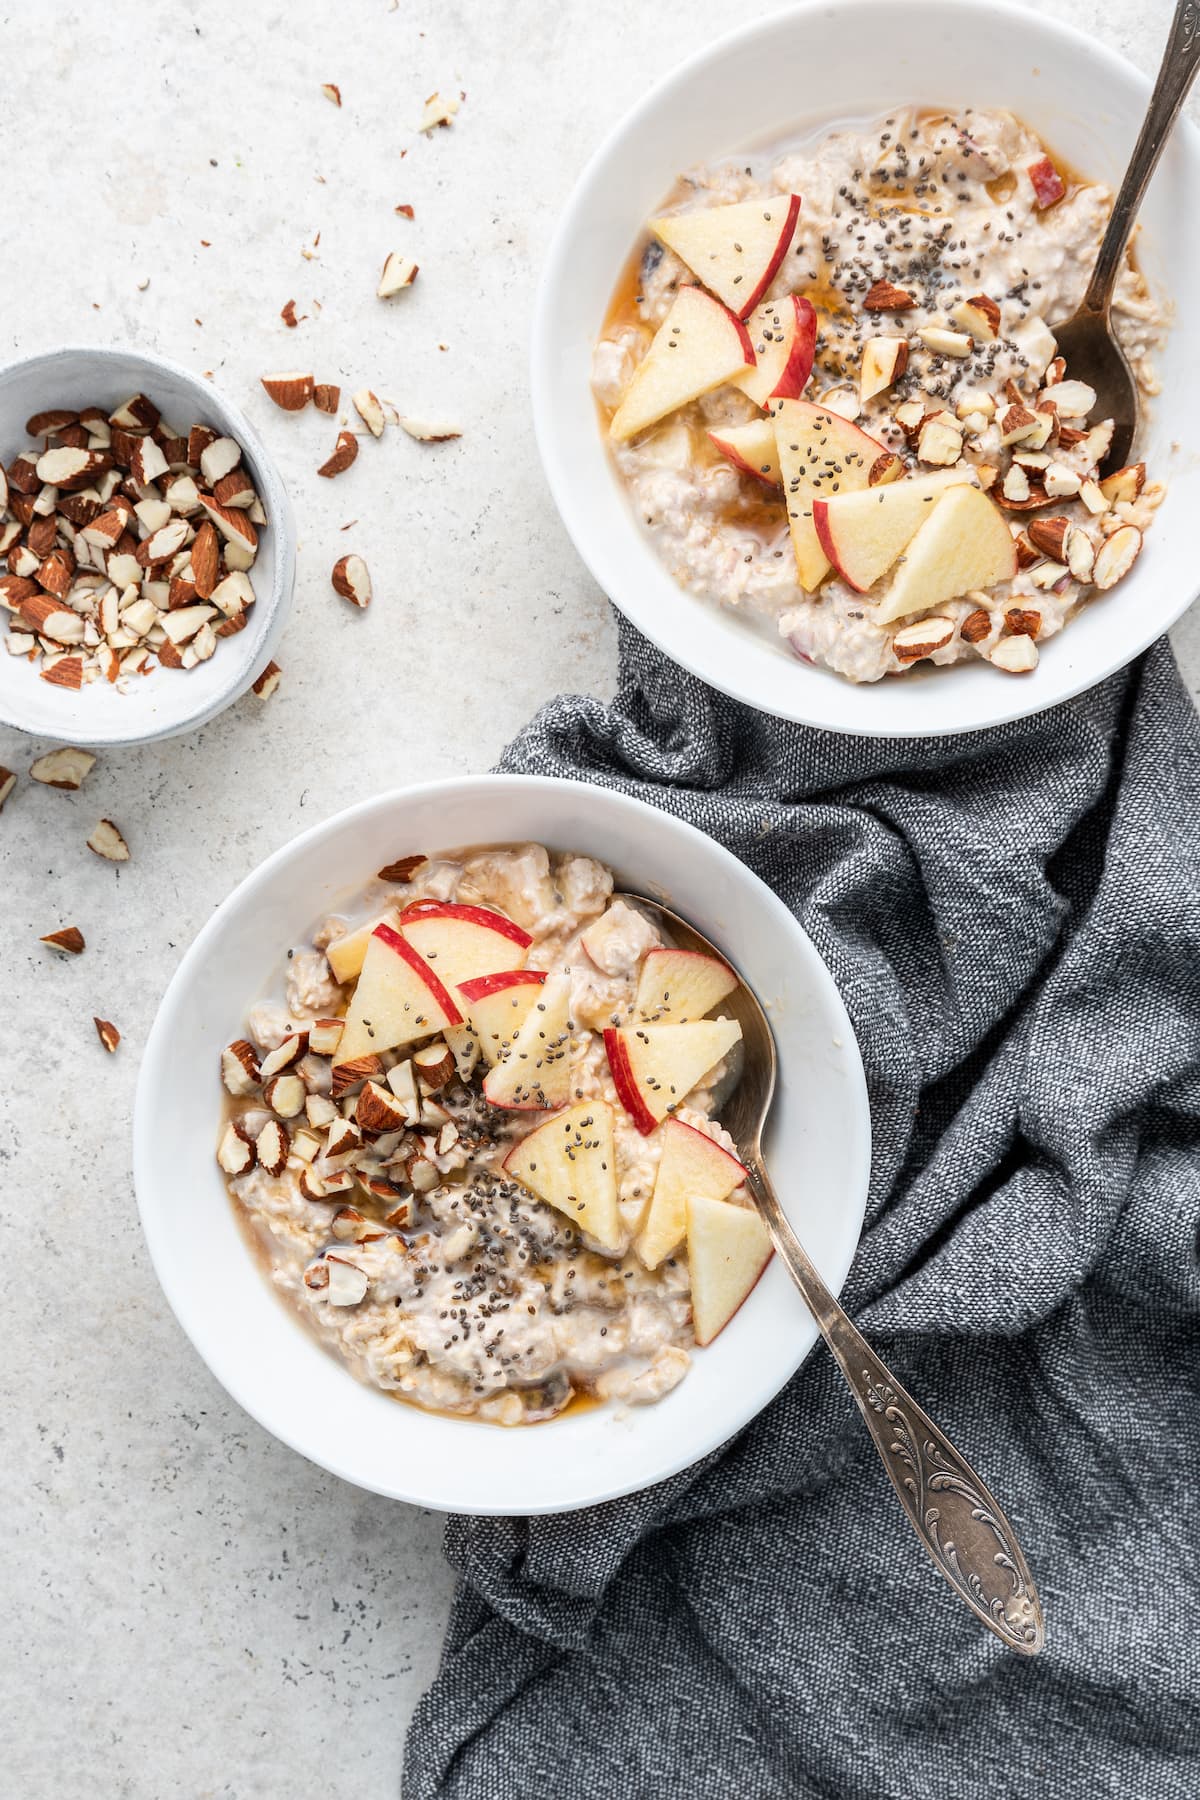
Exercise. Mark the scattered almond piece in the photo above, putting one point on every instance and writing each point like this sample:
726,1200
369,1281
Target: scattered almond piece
344,453
426,433
68,768
236,1152
67,672
240,1068
327,396
292,392
265,684
8,782
107,842
403,869
405,211
398,272
976,626
1015,655
351,579
332,91
1116,556
437,111
912,642
107,1032
288,315
885,296
70,939
367,406
945,343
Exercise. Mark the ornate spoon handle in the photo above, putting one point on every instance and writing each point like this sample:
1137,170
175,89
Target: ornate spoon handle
950,1509
1181,58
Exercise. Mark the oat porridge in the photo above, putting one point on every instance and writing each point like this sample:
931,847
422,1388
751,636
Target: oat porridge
832,391
473,1139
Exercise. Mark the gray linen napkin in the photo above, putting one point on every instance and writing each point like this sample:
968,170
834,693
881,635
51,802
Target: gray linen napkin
1013,918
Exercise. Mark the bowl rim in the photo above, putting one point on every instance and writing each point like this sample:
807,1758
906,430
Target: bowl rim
197,1323
1025,697
244,668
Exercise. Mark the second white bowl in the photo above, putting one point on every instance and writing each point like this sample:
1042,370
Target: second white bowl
778,77
819,1148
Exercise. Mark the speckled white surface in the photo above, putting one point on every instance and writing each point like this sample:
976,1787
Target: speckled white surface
192,1610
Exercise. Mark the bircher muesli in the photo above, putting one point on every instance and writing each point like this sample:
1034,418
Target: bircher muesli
832,391
473,1139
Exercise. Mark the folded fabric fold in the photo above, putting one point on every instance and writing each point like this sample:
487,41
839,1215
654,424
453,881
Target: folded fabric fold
1013,919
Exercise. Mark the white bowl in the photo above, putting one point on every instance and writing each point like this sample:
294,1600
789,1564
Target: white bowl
783,75
167,701
820,1152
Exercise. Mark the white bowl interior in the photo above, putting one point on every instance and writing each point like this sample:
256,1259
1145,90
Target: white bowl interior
820,1152
758,86
167,700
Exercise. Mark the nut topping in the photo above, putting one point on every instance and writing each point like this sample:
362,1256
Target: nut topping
67,768
352,580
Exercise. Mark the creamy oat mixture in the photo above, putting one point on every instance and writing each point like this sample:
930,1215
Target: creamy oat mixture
402,1242
945,210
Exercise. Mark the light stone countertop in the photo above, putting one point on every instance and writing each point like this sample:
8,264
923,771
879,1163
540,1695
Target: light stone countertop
192,1610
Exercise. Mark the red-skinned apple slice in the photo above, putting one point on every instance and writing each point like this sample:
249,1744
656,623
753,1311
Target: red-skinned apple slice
398,999
699,345
570,1163
863,534
1048,185
676,985
497,1006
964,544
751,448
655,1067
463,942
535,1072
728,1249
734,250
822,454
345,954
692,1166
783,334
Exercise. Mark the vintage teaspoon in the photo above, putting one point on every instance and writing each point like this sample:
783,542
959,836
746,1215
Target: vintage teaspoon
1086,341
950,1509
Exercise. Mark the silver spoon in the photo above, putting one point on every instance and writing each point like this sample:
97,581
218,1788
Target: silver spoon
950,1509
1086,341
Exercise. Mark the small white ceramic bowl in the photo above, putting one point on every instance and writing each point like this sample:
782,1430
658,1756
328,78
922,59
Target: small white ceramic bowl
167,701
783,76
819,1148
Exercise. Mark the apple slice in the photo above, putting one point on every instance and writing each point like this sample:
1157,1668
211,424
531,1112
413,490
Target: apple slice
822,454
691,1167
570,1163
345,954
699,345
655,1067
751,448
783,334
728,1249
497,1005
1048,185
676,985
463,942
734,250
965,543
398,999
863,534
535,1072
